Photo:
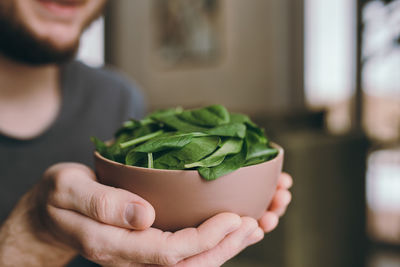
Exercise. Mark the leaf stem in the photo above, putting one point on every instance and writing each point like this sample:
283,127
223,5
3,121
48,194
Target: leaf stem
140,139
150,160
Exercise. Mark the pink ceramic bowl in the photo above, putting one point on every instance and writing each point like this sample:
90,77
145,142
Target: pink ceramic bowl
183,199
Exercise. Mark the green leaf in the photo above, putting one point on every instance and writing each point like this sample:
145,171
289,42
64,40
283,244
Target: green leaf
228,147
146,121
208,116
145,130
134,158
118,153
141,139
260,150
230,164
254,161
251,126
178,139
176,123
168,141
113,151
230,130
241,118
164,112
101,147
256,136
197,149
257,146
128,127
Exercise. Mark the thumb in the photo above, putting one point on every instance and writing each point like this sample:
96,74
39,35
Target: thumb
77,190
120,208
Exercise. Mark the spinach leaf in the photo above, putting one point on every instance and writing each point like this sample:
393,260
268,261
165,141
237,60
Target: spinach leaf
101,147
209,116
197,149
230,164
229,146
254,137
210,140
163,113
251,126
145,130
240,118
118,153
141,139
257,146
260,150
113,151
258,160
128,127
176,123
134,158
231,130
168,141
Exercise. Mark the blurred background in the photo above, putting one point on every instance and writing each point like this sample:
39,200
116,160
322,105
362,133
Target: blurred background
321,76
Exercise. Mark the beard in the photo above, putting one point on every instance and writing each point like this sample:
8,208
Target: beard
22,46
19,44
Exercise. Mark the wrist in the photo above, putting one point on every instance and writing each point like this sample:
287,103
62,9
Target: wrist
24,240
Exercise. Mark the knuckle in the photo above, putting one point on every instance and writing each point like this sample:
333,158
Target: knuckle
249,223
48,211
56,188
234,245
92,249
59,177
207,244
167,253
45,217
196,264
60,180
99,204
53,198
166,258
204,243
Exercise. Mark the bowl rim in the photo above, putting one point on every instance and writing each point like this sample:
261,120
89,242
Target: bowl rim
108,161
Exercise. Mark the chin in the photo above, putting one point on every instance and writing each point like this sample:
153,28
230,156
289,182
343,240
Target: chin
61,40
44,31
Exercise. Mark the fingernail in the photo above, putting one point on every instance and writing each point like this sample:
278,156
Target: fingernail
134,213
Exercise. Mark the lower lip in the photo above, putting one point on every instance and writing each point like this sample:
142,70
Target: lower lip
64,9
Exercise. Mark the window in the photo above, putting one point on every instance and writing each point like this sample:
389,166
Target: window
330,75
330,59
91,49
381,116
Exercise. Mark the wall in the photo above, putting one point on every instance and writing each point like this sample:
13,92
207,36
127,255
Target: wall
252,76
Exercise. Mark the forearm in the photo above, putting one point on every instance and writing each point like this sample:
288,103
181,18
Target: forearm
20,245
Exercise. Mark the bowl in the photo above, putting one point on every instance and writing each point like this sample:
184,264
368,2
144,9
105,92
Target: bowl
181,198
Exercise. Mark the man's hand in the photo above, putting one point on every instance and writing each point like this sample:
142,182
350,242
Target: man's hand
68,212
278,205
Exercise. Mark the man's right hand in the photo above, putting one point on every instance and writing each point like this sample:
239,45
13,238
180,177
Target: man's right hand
73,213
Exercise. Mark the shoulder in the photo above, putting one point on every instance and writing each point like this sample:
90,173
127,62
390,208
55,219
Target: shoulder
105,86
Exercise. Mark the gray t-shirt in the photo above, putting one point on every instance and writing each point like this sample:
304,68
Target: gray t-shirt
94,103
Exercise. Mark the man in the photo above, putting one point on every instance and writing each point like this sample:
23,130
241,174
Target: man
51,210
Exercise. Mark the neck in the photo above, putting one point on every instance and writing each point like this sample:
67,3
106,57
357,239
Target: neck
21,80
29,98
